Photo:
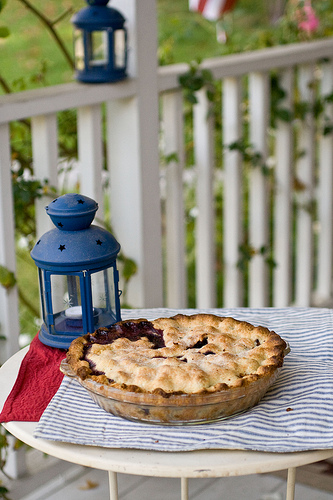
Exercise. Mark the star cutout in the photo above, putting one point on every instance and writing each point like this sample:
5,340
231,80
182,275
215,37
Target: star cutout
80,202
60,224
98,242
38,242
62,247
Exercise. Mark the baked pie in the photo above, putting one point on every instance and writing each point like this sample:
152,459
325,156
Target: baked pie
181,369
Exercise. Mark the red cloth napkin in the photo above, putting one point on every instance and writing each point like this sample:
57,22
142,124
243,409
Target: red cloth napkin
37,382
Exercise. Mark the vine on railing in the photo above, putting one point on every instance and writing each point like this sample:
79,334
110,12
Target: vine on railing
194,80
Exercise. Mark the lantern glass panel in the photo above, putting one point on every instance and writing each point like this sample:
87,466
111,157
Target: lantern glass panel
119,48
79,49
99,48
103,295
66,302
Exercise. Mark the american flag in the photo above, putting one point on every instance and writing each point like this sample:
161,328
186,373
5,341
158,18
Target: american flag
212,9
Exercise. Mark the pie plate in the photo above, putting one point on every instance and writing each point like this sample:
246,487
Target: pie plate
177,409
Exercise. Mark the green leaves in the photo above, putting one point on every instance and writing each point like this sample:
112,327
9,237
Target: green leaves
7,278
194,80
4,31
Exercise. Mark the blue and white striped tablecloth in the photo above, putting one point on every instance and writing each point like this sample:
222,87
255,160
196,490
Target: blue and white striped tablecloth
296,414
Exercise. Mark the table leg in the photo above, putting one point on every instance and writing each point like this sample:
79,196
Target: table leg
113,485
184,488
291,483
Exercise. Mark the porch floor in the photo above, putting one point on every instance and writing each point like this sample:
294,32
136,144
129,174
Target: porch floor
57,480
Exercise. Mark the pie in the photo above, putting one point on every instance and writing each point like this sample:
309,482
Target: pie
166,360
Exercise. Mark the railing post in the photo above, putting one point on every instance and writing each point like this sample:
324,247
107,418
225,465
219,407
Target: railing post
133,158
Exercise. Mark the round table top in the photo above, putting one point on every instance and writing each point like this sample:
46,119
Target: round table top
202,463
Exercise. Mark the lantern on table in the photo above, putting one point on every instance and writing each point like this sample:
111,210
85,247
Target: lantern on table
78,275
100,43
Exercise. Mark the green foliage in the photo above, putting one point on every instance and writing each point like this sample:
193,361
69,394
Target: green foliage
194,80
7,278
4,31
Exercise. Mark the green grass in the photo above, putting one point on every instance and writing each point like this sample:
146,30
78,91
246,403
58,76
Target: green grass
183,36
30,45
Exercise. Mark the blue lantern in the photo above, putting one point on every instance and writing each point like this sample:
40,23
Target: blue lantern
78,276
100,43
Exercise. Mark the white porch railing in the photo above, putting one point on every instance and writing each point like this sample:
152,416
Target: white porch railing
280,215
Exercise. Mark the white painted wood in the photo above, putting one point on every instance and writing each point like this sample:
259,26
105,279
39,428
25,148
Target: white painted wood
205,226
305,193
9,321
258,207
232,193
173,144
113,486
49,100
90,152
259,60
9,318
133,158
291,483
184,488
324,196
282,238
45,163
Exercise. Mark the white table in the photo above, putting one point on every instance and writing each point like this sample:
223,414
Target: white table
205,463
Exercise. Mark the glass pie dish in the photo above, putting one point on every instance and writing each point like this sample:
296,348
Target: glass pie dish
176,409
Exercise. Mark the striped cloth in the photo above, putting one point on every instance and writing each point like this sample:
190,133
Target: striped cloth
296,414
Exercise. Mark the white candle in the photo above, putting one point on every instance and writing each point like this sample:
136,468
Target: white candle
74,312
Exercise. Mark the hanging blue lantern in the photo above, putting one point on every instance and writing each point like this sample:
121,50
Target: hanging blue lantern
100,43
78,275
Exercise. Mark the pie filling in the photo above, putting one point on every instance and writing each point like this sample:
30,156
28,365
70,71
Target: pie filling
195,354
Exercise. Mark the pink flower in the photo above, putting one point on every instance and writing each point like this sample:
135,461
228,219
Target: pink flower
308,20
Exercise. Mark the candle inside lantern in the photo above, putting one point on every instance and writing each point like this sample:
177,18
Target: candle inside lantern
74,312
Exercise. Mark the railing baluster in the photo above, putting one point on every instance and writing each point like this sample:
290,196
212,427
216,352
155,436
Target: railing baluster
282,279
9,319
325,195
258,207
232,192
205,230
90,151
305,193
45,162
173,126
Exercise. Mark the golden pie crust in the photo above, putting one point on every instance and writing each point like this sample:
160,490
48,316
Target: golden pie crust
191,355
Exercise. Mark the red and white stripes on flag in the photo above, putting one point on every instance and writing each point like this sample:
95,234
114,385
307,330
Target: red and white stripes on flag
212,9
